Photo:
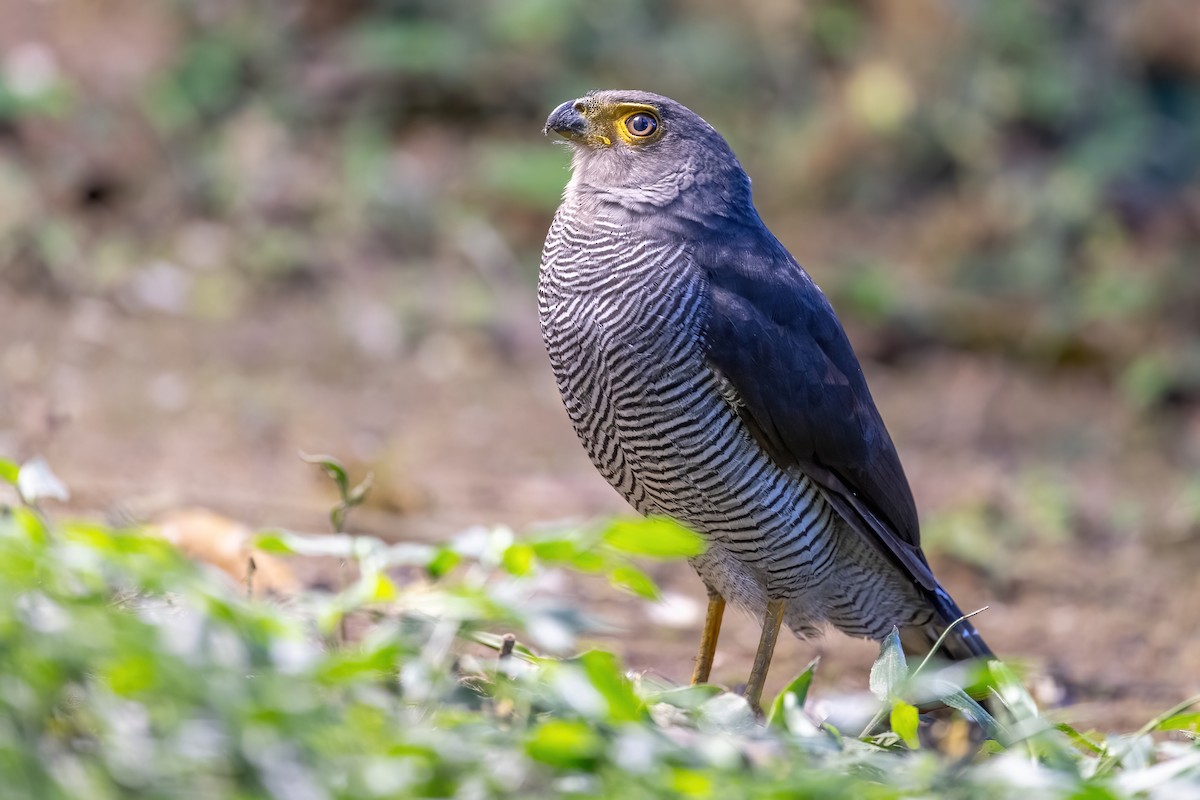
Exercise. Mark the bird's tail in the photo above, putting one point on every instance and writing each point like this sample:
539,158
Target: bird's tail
961,644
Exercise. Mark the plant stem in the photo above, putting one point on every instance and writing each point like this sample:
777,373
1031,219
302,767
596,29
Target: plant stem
883,710
1110,760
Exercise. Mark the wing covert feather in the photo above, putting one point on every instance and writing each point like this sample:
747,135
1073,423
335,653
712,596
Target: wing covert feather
775,338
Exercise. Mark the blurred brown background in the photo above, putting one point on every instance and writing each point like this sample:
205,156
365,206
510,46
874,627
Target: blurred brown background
230,231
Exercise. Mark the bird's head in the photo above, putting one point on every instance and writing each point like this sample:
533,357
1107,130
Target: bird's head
637,148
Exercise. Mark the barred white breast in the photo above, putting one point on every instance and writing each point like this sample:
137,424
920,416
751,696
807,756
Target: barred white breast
622,317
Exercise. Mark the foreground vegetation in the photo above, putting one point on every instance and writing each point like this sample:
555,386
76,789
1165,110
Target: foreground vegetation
130,671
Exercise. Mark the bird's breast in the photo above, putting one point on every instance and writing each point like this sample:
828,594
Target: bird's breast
623,323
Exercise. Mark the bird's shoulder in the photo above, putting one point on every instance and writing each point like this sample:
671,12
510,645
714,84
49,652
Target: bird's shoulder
773,335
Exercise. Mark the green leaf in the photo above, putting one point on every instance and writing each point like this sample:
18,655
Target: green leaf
1080,740
30,524
890,670
791,700
688,698
654,537
518,559
332,467
569,744
130,674
359,493
1012,692
636,581
904,720
329,617
442,563
557,551
1180,722
575,554
958,699
606,677
8,471
691,782
337,545
349,664
588,561
379,588
274,542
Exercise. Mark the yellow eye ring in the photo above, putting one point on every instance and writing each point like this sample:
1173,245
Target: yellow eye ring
641,125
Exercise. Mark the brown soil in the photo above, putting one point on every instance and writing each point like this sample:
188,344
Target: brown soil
143,413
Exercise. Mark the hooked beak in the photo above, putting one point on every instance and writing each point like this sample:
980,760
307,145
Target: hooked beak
567,121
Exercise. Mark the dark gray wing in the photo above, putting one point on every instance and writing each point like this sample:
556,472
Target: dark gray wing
772,334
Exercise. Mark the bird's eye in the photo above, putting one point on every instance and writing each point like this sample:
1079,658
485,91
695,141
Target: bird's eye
641,125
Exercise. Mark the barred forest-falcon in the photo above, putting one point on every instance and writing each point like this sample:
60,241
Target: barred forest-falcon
711,382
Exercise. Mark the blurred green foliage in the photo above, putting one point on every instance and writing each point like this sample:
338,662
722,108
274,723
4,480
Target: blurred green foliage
132,672
1010,177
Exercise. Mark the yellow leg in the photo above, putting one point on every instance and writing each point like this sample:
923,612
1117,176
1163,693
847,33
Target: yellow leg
708,639
766,649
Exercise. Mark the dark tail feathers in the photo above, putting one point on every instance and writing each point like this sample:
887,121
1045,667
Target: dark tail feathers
963,642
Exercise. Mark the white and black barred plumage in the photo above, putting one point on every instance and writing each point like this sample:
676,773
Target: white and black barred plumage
709,381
